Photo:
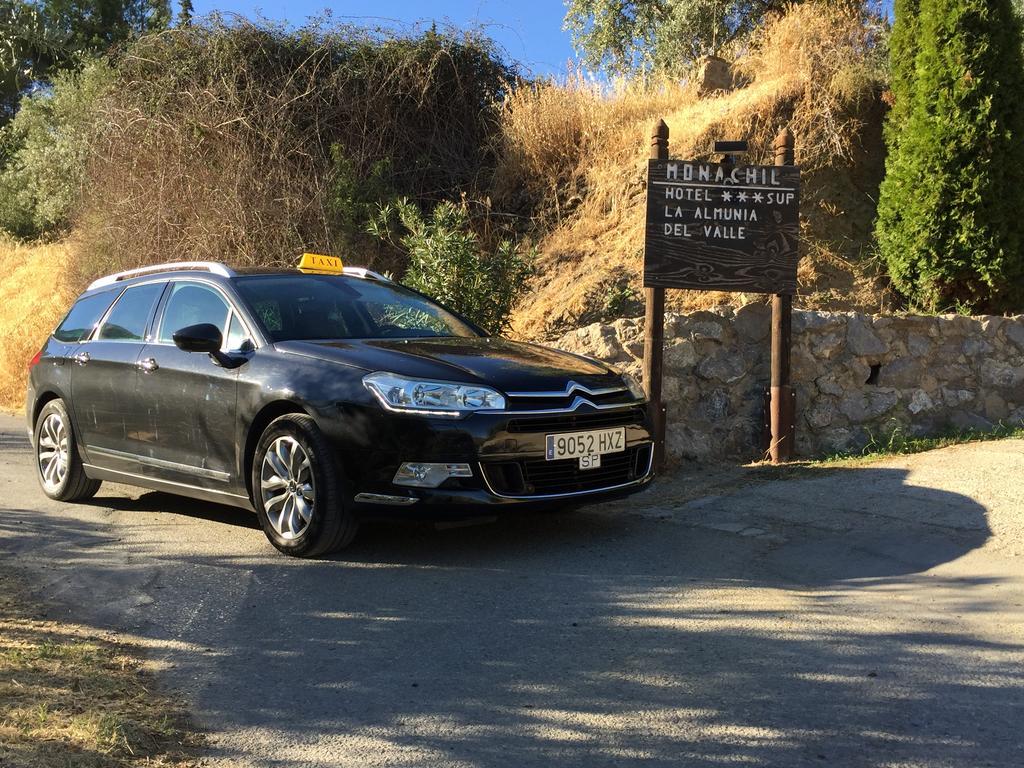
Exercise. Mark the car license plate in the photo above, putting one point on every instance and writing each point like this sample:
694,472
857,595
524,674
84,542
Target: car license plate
577,445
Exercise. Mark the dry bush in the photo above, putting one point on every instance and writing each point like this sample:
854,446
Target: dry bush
551,132
250,144
34,296
815,70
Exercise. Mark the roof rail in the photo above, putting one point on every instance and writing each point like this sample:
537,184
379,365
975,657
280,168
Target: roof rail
365,273
215,267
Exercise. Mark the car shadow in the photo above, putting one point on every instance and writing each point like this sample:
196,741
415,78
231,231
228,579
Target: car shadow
172,504
623,635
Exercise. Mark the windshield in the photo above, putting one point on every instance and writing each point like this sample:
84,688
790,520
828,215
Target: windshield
306,307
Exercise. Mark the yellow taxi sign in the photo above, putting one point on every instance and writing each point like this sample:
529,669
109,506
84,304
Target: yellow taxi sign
319,264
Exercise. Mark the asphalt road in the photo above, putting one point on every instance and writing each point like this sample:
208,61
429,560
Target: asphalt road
859,617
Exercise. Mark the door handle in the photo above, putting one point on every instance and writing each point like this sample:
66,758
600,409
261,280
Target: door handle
81,358
148,365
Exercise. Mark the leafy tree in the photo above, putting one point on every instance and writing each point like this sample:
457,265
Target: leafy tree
949,224
448,262
45,149
28,47
41,37
624,36
185,13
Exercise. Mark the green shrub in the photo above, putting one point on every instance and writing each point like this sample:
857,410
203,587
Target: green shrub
949,224
45,150
448,262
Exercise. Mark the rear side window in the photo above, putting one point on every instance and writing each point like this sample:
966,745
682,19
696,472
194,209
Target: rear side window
83,317
127,320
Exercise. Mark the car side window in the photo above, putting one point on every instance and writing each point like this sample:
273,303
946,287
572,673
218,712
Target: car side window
189,304
127,320
82,317
236,334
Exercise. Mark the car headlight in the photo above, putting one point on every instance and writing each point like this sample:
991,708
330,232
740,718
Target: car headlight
635,389
431,398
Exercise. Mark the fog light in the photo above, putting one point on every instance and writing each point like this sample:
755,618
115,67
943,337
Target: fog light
421,474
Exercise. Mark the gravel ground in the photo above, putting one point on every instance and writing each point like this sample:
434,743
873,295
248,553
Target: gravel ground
867,616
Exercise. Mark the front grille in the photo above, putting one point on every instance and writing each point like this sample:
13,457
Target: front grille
617,397
537,477
565,422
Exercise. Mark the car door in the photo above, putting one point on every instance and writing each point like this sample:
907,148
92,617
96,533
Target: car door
103,392
189,398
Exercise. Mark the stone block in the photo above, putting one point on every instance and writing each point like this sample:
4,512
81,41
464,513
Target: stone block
991,324
713,407
1015,332
681,356
995,373
995,407
805,321
724,365
822,414
862,407
920,401
753,322
975,346
837,440
686,443
827,345
902,373
918,345
829,385
803,365
954,398
967,420
862,340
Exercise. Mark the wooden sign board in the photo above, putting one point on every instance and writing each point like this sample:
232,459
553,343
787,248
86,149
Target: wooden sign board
718,227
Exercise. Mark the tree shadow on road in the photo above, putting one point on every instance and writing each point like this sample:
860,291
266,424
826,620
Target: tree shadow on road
623,636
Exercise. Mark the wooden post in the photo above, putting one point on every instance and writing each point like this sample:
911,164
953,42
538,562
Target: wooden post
782,411
654,328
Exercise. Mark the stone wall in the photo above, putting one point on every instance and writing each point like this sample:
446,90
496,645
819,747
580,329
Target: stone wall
856,377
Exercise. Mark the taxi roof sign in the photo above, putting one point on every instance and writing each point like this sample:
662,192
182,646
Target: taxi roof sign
320,264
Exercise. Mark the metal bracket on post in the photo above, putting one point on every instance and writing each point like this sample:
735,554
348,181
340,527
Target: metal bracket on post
782,410
654,328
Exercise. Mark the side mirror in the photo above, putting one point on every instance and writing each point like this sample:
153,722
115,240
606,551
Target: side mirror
202,337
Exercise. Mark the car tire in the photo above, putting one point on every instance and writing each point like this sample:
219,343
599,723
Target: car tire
58,464
299,490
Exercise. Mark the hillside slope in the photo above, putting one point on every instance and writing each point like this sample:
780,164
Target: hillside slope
813,71
34,295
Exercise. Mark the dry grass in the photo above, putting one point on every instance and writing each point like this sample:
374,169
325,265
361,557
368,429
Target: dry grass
34,295
583,150
69,697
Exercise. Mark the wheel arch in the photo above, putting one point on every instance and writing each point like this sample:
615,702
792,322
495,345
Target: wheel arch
267,414
42,398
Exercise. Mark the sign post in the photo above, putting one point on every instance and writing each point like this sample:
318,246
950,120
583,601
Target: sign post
782,406
654,327
723,227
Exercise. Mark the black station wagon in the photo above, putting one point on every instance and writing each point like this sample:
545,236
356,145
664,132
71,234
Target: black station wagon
319,399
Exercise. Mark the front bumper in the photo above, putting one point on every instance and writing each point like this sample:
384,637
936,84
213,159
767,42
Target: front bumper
507,454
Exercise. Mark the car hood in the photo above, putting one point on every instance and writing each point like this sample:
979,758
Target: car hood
510,366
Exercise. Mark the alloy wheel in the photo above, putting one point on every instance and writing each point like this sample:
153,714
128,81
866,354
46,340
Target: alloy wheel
286,487
52,452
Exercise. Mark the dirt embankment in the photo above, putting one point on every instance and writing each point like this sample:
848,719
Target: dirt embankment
815,71
34,295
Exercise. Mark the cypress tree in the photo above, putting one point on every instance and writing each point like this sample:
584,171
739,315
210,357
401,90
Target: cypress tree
951,209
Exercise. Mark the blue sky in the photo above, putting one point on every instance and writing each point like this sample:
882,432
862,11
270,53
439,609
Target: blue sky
529,30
